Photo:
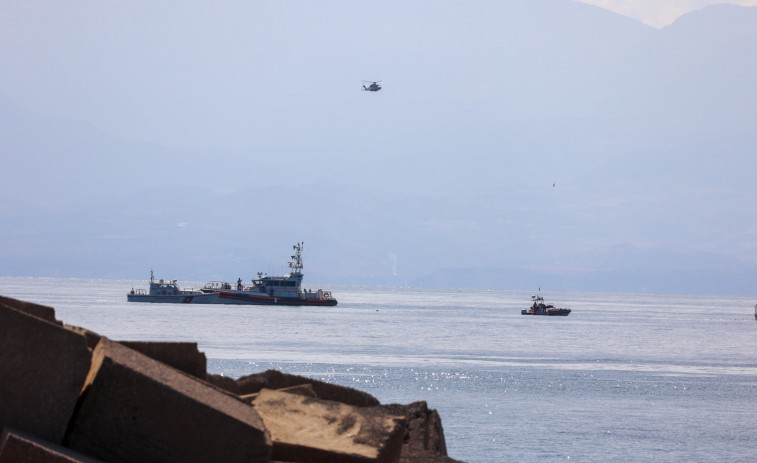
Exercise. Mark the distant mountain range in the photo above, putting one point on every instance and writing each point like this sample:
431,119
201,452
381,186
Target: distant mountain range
353,237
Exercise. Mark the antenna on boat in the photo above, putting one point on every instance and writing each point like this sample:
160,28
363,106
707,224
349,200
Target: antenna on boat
296,263
152,279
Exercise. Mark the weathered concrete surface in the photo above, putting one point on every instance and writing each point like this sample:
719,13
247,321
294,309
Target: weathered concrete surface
18,447
424,441
43,367
224,382
417,455
92,337
41,311
424,427
274,379
136,409
305,390
183,356
305,429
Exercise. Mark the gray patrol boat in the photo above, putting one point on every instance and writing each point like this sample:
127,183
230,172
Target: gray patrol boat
169,292
273,290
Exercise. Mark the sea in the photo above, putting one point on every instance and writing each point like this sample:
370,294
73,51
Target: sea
625,377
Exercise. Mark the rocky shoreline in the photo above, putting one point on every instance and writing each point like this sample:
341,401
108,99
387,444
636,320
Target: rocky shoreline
68,394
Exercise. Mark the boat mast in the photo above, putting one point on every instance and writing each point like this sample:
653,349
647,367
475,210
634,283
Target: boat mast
296,263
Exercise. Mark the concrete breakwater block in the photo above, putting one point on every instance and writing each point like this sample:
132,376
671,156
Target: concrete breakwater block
136,409
304,429
303,390
424,441
274,379
18,447
41,311
424,426
184,356
92,337
416,455
224,382
43,367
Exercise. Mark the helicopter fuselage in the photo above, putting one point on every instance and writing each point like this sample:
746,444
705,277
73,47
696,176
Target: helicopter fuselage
374,87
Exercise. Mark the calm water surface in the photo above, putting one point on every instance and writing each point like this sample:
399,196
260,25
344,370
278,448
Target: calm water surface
625,377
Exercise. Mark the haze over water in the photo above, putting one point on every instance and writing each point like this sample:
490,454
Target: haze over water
625,377
513,145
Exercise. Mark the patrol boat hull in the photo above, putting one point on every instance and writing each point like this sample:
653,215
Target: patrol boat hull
549,312
202,298
244,297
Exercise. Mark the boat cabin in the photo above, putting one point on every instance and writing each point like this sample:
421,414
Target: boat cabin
286,286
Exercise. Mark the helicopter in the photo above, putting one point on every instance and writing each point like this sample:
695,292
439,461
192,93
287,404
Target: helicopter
374,87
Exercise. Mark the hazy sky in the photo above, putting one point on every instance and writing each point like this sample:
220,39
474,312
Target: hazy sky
660,13
646,134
